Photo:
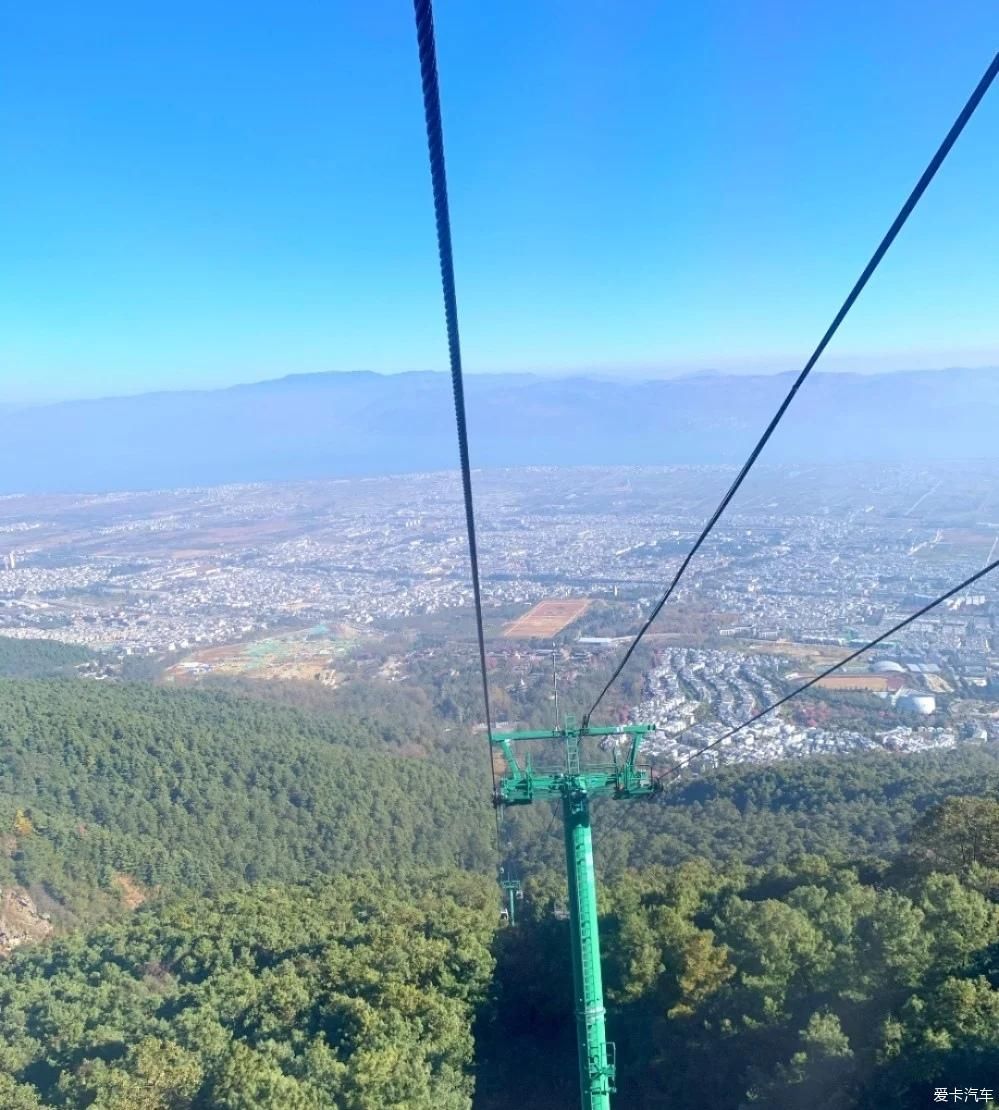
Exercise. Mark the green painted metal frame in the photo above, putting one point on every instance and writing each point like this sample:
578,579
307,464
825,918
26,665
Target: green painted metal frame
574,784
513,892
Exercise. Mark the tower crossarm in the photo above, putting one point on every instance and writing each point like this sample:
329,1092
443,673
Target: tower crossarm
560,733
523,784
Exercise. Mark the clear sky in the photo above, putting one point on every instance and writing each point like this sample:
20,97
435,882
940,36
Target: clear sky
195,194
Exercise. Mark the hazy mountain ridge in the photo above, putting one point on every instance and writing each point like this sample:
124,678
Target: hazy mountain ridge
317,425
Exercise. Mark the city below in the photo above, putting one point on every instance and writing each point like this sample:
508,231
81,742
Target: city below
367,579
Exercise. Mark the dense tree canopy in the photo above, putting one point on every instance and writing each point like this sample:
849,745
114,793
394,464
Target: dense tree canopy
849,806
811,984
197,791
354,993
814,984
818,934
40,658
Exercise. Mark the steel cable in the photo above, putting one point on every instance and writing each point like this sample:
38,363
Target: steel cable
435,147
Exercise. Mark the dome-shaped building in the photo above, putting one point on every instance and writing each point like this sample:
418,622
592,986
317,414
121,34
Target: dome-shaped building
916,701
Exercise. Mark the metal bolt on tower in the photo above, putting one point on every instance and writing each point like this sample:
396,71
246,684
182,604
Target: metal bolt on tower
574,784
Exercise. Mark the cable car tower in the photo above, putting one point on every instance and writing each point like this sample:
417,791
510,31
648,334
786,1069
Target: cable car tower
514,894
573,784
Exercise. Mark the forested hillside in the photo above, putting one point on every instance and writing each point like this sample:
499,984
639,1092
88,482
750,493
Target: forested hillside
199,791
856,806
817,984
818,934
347,993
861,805
40,658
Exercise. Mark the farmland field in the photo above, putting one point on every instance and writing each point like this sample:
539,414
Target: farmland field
875,682
547,618
303,655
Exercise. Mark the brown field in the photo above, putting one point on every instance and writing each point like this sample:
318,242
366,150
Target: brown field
875,682
547,618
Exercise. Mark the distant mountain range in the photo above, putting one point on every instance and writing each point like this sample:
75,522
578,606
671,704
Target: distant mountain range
320,425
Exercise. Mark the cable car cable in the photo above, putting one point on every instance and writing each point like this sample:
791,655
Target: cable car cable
897,224
423,10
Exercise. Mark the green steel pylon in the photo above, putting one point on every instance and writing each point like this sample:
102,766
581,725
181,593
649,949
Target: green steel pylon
513,894
574,784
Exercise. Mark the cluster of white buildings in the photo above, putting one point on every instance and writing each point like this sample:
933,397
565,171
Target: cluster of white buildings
695,696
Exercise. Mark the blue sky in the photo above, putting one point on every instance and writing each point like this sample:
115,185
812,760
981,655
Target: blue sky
201,194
